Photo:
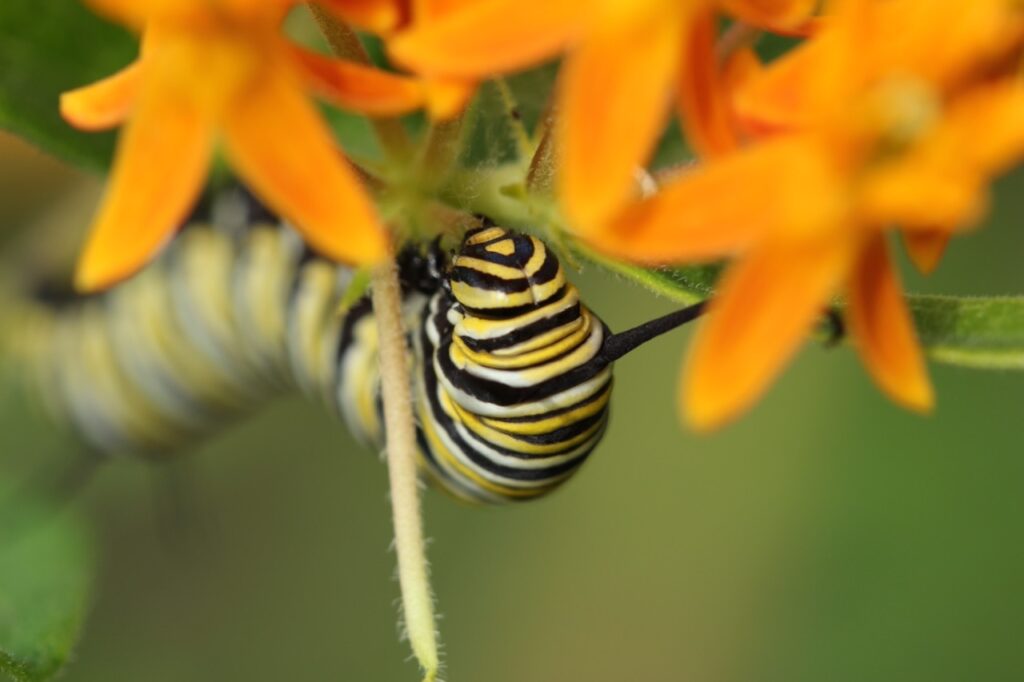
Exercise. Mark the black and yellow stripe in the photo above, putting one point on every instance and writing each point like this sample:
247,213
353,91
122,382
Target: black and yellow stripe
513,393
511,372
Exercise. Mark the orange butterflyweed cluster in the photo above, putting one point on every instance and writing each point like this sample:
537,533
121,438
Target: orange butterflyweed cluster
222,70
886,115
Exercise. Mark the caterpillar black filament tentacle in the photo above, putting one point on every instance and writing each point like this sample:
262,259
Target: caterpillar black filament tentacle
511,371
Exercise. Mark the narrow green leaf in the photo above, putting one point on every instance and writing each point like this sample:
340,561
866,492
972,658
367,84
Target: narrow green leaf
533,91
46,48
979,332
491,140
983,332
46,568
682,284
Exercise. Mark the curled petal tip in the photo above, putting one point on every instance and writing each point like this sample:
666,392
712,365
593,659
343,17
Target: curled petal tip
73,111
916,394
708,404
884,330
926,249
704,417
446,98
100,268
103,104
919,397
88,279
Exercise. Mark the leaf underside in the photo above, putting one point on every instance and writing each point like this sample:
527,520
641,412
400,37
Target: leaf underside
46,569
47,48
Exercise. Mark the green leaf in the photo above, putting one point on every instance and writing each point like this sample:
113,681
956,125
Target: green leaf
46,570
48,47
983,332
683,284
979,332
491,139
532,90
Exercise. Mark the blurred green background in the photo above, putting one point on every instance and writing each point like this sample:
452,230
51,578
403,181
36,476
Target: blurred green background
826,536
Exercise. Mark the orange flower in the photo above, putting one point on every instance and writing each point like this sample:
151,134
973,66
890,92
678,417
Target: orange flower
897,114
220,71
625,59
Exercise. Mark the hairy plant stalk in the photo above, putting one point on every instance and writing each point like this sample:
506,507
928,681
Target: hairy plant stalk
413,578
345,43
441,151
540,178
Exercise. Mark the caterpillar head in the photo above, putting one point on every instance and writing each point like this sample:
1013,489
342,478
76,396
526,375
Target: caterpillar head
501,274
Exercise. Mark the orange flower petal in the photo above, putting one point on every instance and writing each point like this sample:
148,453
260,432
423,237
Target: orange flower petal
941,182
138,13
702,97
776,189
158,171
764,310
903,36
984,126
446,97
926,248
356,87
378,16
432,9
792,91
489,37
604,140
918,196
105,103
884,331
284,151
273,9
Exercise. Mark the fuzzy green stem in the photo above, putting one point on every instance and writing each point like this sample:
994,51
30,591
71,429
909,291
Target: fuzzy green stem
346,44
540,178
441,151
485,192
413,576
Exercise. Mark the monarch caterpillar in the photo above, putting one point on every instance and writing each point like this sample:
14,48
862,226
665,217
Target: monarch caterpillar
511,371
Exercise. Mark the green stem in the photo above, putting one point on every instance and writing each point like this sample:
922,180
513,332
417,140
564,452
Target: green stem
485,192
400,430
540,178
441,151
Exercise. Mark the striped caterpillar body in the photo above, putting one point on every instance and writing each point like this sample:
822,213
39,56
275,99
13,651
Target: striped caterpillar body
511,373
